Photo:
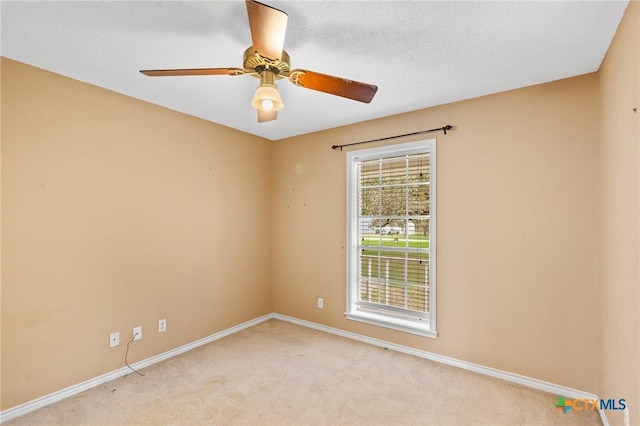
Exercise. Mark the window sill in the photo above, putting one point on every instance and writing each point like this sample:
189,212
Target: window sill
420,329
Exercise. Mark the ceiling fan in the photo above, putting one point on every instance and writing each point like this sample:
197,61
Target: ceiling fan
267,60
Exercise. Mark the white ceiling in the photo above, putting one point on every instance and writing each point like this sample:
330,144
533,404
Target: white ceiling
418,53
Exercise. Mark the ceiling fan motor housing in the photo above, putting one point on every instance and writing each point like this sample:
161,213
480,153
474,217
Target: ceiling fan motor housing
255,64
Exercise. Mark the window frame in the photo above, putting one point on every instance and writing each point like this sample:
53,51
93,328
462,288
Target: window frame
425,327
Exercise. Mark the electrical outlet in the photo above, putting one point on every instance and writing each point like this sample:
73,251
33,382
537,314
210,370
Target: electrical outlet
320,302
114,339
162,325
137,333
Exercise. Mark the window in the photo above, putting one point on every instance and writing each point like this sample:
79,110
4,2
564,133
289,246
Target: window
391,223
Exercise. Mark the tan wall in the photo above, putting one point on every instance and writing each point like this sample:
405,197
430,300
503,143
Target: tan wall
619,175
517,230
117,213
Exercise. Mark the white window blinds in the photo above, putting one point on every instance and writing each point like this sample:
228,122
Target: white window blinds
391,236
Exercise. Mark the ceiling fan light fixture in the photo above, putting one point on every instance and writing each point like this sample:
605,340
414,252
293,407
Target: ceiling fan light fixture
267,60
267,97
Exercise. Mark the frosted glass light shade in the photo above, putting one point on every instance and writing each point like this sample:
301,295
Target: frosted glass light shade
267,98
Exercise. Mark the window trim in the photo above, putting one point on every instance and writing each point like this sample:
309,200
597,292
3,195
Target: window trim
423,328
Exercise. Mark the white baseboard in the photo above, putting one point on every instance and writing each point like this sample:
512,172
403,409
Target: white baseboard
35,404
492,372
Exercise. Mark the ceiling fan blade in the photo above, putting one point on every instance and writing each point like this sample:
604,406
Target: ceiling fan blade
266,115
268,27
346,88
193,71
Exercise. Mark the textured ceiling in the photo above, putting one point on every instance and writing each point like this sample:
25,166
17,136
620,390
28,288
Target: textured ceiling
419,53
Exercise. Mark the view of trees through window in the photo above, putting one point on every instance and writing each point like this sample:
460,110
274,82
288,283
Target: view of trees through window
393,197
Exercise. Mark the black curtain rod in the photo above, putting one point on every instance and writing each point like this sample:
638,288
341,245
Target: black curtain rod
443,128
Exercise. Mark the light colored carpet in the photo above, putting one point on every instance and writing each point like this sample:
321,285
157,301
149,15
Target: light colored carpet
277,373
